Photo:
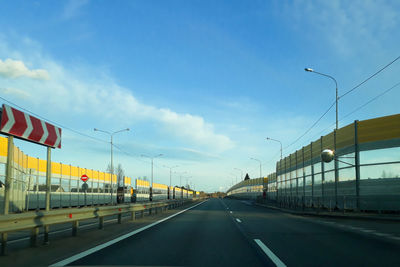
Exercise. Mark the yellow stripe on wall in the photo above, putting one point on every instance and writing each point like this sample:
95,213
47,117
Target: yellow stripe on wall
3,146
383,128
345,136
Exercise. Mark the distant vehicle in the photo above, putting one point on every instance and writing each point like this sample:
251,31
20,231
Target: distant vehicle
133,195
120,194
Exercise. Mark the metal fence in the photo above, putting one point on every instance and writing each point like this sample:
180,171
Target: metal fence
28,183
365,174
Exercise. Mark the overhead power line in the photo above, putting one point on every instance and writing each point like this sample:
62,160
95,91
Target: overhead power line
312,126
360,107
72,130
53,122
371,100
346,93
135,156
370,77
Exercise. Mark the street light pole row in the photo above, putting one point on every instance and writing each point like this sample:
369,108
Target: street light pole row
152,163
268,138
112,163
337,118
260,165
170,173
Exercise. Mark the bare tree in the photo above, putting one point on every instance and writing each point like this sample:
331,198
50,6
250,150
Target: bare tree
120,175
119,171
108,169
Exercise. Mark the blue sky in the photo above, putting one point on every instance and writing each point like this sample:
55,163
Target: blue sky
202,82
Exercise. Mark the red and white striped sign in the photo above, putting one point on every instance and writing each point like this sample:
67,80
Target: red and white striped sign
22,125
84,178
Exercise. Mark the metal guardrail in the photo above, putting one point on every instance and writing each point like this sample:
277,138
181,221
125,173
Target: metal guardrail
35,219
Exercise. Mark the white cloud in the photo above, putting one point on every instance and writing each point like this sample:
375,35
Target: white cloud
15,69
100,98
73,8
348,26
194,126
15,92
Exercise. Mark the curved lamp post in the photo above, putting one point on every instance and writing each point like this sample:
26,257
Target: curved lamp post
112,164
337,97
276,141
260,165
152,163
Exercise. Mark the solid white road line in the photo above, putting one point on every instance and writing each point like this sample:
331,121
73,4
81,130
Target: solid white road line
383,234
111,242
270,254
238,220
368,231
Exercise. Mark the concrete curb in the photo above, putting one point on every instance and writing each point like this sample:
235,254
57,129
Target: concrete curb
329,215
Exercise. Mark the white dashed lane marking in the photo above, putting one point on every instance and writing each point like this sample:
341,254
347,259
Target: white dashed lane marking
269,253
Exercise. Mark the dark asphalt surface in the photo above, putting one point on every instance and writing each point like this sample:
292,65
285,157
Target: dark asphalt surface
196,237
211,235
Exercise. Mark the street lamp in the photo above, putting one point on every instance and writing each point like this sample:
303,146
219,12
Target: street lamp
152,163
276,141
180,177
170,172
234,174
187,184
241,171
260,164
337,97
337,127
112,164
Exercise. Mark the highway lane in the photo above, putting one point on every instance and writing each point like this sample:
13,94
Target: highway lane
224,232
204,236
311,241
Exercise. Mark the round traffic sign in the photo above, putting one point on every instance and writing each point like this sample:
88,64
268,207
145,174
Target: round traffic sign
84,178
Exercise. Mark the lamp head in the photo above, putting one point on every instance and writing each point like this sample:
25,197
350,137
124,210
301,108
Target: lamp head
309,69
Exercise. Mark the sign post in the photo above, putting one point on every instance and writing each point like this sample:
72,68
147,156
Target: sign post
85,186
48,190
7,184
16,123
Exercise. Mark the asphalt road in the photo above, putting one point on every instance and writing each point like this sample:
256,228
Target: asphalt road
237,233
